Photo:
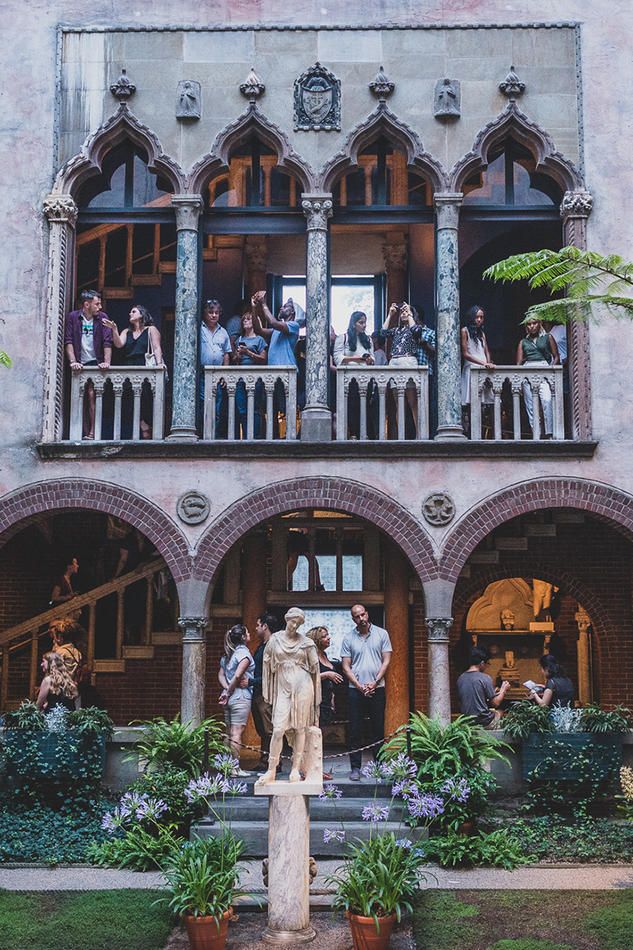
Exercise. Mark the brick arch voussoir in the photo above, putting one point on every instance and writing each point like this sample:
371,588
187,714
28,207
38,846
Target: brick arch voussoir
29,503
328,494
604,501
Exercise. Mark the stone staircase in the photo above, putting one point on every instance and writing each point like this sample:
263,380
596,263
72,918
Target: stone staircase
248,818
529,532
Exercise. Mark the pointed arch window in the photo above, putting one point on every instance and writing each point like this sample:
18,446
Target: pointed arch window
254,180
511,180
381,179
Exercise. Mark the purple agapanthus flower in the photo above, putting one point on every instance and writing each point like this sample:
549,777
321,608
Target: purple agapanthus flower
400,767
333,834
404,843
109,824
373,770
231,786
425,805
457,788
375,812
151,809
404,788
330,792
225,763
205,786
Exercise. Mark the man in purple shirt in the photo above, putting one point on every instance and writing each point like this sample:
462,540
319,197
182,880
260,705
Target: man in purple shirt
88,342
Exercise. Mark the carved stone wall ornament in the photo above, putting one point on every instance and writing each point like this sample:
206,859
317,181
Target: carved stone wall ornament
447,102
576,203
317,209
60,208
317,101
438,628
193,507
512,87
252,87
189,100
438,509
381,86
123,88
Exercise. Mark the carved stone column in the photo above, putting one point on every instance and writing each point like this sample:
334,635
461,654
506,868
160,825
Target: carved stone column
61,214
574,210
256,252
397,623
437,629
183,419
395,254
316,424
583,620
449,400
194,651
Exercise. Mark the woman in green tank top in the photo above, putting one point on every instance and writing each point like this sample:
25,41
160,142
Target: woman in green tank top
538,348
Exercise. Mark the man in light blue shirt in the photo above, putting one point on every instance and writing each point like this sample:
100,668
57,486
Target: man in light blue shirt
215,349
282,332
365,655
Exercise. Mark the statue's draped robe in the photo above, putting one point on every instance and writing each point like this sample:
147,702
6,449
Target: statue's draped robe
292,682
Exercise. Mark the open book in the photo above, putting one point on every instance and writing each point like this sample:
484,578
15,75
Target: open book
537,687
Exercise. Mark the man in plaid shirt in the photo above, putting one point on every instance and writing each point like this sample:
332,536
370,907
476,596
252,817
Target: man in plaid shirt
426,341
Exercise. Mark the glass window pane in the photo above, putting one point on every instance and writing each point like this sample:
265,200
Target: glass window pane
336,619
301,574
352,572
327,571
492,190
346,298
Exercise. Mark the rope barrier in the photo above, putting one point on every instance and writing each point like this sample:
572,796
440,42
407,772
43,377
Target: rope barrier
333,755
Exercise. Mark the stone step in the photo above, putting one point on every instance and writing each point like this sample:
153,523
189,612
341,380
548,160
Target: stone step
540,530
250,808
365,789
254,834
511,544
568,517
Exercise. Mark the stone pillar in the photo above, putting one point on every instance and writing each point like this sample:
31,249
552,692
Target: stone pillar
397,623
194,651
288,869
449,401
583,656
316,424
574,210
256,253
183,418
61,214
437,629
395,255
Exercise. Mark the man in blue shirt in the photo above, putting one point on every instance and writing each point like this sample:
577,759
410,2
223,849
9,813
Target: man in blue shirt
215,350
282,333
365,655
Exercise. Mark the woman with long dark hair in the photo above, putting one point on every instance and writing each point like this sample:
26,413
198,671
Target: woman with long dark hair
237,669
559,689
354,346
141,346
475,350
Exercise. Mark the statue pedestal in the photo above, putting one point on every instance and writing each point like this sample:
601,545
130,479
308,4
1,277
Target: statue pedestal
289,861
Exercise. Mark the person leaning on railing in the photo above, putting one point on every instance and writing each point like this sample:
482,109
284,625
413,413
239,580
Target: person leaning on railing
405,339
88,342
249,349
538,348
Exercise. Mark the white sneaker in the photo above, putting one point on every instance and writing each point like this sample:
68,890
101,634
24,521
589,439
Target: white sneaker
240,773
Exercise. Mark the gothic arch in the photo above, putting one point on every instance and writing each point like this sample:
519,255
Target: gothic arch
383,121
602,500
25,504
232,135
122,126
332,494
513,123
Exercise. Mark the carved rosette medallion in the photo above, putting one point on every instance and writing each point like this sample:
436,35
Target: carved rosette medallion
438,509
193,507
123,89
576,204
60,208
317,210
317,101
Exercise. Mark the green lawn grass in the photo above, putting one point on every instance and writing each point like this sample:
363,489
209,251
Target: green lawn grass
87,920
524,920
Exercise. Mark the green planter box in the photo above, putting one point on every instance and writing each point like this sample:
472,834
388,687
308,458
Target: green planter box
49,755
550,755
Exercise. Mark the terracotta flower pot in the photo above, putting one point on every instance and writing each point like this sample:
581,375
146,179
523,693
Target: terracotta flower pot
365,935
207,933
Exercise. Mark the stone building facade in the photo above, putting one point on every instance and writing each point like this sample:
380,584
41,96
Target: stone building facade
190,154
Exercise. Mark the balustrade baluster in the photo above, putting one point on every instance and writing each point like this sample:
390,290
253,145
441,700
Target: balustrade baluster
558,407
76,407
270,416
99,387
382,412
497,434
401,417
362,395
516,411
230,395
118,399
342,387
250,409
158,404
210,389
536,408
137,386
291,408
476,396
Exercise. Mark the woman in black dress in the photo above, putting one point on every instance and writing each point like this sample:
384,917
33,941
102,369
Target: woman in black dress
331,676
138,341
559,689
57,687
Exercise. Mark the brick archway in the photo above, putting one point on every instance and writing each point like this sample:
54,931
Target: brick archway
330,494
25,504
599,499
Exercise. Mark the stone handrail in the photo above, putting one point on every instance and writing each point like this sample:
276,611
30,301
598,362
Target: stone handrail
15,637
118,379
379,381
492,381
260,384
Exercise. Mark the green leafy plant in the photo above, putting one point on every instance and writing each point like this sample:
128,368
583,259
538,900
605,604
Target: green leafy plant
91,721
137,850
49,835
496,849
168,785
585,277
595,719
583,841
203,876
380,877
179,744
27,717
587,774
524,718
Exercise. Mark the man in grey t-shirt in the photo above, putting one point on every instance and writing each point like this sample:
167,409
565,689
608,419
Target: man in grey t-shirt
365,655
477,693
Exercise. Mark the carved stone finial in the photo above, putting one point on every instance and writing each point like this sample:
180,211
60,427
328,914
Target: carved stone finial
189,100
447,103
317,101
60,208
512,86
576,203
252,87
123,88
381,86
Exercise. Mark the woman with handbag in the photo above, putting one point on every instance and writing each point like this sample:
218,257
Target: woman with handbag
141,347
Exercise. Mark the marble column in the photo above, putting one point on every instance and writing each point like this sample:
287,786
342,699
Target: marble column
583,620
396,595
316,418
194,651
449,402
437,629
183,419
288,870
575,209
61,214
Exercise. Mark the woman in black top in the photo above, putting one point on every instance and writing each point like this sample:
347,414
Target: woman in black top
330,677
138,341
58,687
559,690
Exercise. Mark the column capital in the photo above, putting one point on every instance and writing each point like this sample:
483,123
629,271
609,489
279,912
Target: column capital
447,205
438,628
317,208
187,208
60,209
193,628
576,204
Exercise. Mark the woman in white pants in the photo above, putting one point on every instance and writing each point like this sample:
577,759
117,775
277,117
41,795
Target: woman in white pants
538,348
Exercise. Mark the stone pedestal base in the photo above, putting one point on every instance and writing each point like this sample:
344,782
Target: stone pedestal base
450,434
316,425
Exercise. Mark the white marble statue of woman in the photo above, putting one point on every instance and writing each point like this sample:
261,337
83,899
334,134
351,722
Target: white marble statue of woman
292,685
